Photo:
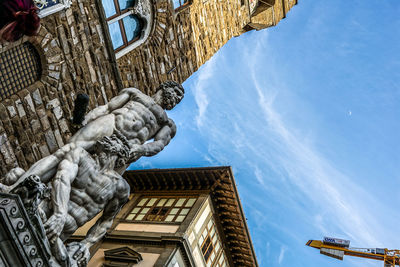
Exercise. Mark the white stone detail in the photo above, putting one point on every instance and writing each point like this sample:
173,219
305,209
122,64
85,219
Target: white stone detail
202,219
20,108
51,10
144,10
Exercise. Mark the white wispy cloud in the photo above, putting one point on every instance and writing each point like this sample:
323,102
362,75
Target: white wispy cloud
281,254
200,89
318,179
280,161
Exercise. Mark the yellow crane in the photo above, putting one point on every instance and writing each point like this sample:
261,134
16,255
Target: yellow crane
337,248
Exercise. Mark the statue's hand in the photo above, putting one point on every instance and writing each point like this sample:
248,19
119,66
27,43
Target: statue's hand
135,152
131,91
54,226
79,252
85,121
4,188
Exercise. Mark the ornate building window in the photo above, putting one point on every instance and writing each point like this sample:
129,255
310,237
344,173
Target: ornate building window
48,7
124,26
179,4
19,67
211,248
129,23
162,209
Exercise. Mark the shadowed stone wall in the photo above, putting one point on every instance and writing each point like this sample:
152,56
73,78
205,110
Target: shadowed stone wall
74,58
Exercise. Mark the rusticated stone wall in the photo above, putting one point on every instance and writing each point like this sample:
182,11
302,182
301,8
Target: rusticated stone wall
36,120
183,41
272,16
166,55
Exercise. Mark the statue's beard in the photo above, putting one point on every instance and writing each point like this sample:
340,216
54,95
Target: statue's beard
169,100
111,162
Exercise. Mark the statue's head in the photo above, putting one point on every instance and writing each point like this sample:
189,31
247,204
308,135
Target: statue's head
169,94
113,151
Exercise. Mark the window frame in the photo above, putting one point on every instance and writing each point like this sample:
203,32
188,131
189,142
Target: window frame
181,7
162,220
21,61
118,17
218,253
208,237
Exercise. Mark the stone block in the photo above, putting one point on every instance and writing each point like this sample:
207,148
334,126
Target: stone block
44,151
6,150
51,141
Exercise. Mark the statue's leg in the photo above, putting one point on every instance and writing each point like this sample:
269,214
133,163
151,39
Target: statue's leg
95,130
60,252
46,167
70,227
12,176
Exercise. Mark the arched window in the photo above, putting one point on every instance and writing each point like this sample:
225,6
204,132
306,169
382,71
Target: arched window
124,26
19,67
179,4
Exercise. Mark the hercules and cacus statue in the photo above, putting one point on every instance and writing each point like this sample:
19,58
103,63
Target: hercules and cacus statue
84,176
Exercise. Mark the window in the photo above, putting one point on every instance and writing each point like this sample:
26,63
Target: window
211,246
177,260
124,26
179,4
19,67
221,261
162,209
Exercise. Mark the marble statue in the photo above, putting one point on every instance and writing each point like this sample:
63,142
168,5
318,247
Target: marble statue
84,185
140,118
84,176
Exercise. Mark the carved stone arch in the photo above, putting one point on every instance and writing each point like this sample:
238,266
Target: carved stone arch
162,11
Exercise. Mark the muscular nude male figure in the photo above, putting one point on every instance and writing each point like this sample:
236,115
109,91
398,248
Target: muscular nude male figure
83,186
136,116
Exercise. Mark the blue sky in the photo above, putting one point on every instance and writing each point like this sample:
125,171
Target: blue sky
307,114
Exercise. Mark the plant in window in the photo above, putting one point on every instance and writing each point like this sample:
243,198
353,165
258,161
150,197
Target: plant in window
18,18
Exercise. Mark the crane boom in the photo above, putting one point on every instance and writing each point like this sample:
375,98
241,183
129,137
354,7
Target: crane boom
337,248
